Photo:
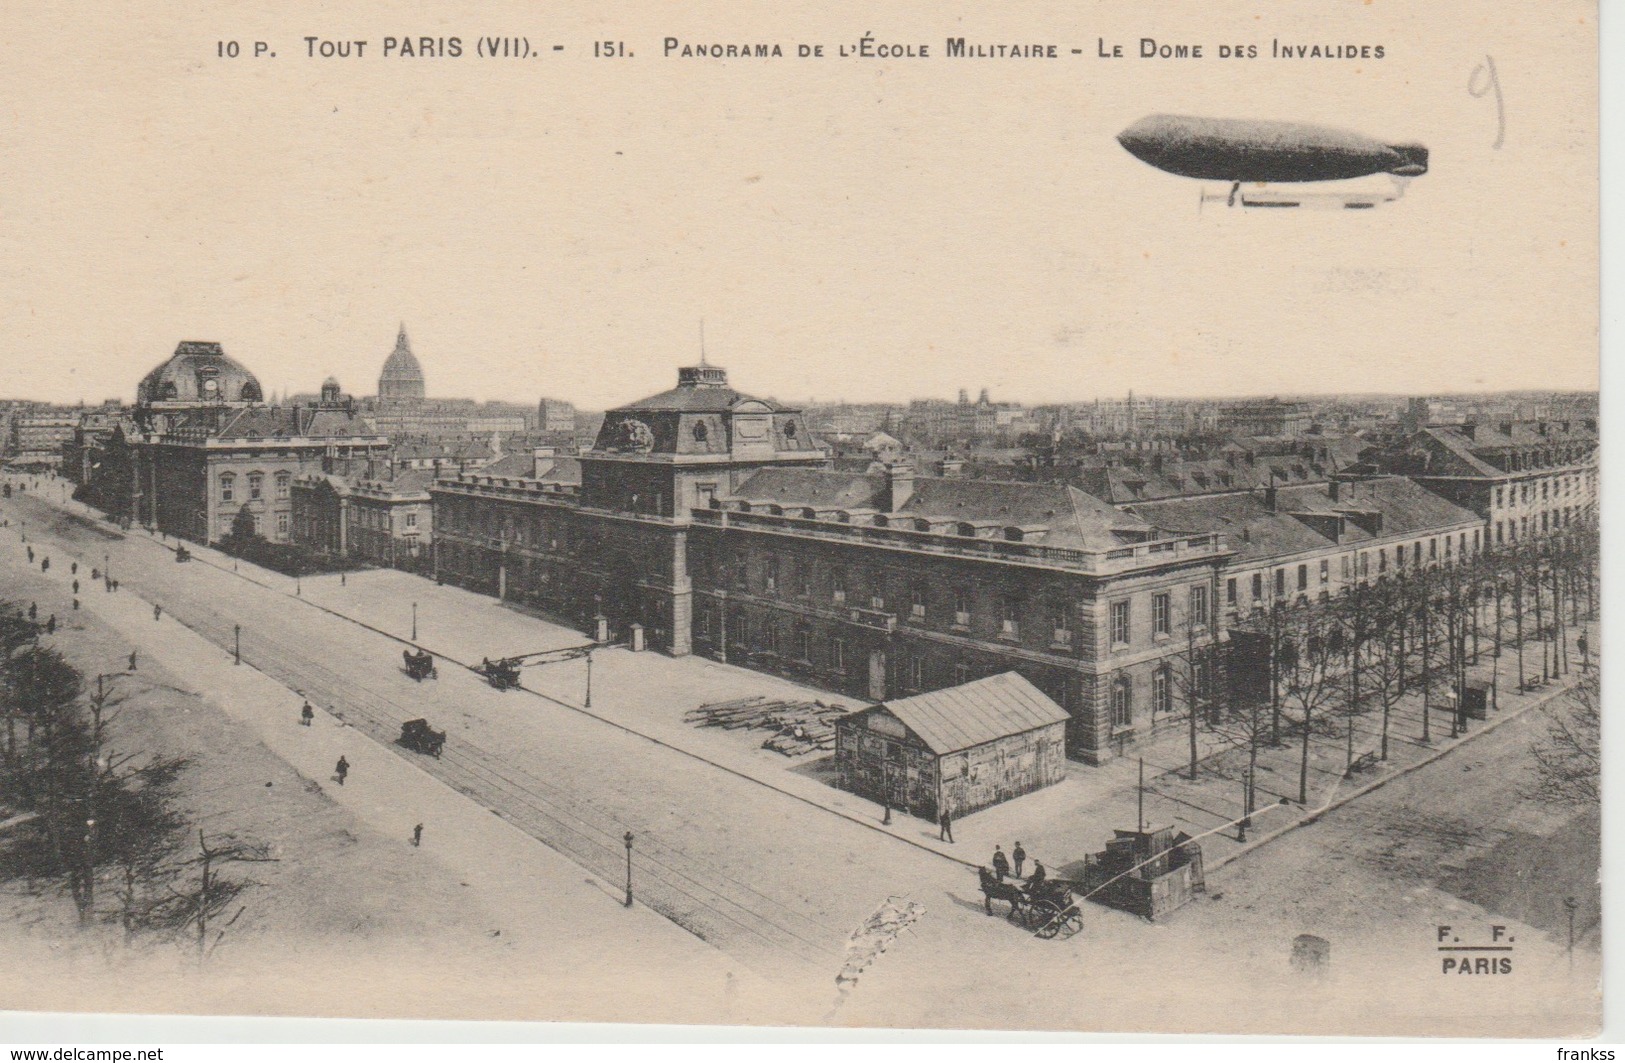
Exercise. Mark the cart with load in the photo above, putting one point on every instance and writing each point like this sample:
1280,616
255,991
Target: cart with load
420,665
502,674
419,737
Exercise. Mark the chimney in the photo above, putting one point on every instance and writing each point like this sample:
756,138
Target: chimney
1335,487
899,484
1270,497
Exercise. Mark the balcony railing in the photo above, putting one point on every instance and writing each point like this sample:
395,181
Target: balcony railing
1135,555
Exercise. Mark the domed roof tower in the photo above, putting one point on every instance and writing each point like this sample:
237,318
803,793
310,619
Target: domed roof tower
402,378
198,374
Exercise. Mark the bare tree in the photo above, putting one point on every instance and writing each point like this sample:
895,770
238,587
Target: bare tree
1568,760
202,906
1309,680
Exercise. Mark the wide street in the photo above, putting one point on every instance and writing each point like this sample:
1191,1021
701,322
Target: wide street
778,881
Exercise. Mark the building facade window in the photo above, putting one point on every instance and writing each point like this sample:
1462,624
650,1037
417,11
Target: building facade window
916,604
961,607
1258,586
772,575
838,591
837,654
1325,571
284,484
1059,625
1160,624
1230,591
282,524
1303,577
1119,623
1010,616
228,487
412,519
1122,703
1162,695
1199,605
256,485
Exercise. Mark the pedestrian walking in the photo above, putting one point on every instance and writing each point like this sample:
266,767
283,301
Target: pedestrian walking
115,586
132,660
341,583
73,568
30,555
95,574
157,611
76,586
1001,863
50,625
45,565
33,610
946,834
76,605
307,714
417,836
1019,855
342,769
1584,646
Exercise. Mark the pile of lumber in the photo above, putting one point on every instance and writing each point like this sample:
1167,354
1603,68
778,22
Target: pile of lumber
799,727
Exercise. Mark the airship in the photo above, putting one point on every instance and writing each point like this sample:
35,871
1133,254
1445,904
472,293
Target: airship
1244,151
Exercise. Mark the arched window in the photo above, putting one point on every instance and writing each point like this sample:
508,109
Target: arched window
251,392
1013,534
701,432
228,487
966,529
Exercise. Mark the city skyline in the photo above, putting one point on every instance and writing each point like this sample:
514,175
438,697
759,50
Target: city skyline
367,375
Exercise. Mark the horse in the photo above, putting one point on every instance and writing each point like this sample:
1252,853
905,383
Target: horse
993,889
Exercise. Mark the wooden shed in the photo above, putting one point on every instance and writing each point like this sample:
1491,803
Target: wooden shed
968,747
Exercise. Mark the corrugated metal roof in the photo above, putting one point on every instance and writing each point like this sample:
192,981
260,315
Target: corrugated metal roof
976,713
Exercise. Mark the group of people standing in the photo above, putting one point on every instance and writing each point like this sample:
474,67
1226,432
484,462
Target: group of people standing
1011,866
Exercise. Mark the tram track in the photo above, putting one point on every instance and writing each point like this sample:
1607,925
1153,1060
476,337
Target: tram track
730,914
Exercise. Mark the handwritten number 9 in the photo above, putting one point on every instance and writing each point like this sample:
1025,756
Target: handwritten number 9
1484,79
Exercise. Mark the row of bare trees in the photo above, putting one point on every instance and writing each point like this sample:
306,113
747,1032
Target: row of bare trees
101,825
1303,668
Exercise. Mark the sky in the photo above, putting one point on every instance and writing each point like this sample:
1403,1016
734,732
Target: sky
858,229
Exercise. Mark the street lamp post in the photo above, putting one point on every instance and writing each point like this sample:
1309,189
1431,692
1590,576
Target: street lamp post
414,621
588,703
1246,805
237,644
628,840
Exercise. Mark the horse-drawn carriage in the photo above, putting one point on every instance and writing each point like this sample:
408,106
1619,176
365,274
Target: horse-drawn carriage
420,665
502,674
1046,908
419,737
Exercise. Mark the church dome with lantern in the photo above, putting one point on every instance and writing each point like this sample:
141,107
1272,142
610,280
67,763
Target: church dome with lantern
402,377
199,373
